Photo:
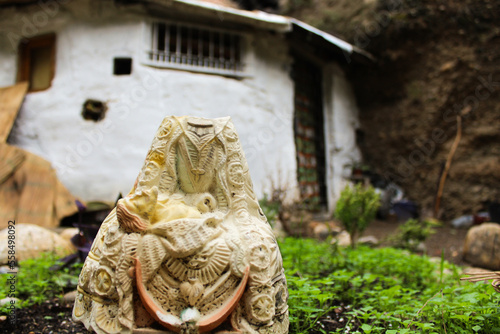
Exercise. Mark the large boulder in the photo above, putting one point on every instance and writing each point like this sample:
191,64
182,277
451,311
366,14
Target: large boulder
30,241
482,246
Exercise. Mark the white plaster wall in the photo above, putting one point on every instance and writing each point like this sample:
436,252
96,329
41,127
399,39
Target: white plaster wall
7,66
9,39
271,143
341,122
96,161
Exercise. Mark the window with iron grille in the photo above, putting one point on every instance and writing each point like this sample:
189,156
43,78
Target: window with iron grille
196,49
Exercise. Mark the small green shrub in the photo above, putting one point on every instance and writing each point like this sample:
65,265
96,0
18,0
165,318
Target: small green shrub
412,233
356,208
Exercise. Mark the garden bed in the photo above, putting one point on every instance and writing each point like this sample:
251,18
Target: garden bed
332,290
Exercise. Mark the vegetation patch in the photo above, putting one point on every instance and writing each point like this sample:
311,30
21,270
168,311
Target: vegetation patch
364,290
332,290
38,281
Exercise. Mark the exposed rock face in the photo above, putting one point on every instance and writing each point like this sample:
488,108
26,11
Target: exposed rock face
435,59
189,248
438,69
482,246
31,241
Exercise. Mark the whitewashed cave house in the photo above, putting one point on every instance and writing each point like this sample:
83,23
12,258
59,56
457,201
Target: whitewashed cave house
103,74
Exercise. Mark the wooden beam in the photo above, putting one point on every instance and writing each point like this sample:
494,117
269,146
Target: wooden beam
11,99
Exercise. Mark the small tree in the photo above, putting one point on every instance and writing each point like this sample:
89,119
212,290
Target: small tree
356,208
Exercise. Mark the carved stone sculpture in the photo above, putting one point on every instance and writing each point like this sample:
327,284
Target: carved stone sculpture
188,250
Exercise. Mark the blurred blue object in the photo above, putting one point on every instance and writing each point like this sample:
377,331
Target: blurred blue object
465,221
405,210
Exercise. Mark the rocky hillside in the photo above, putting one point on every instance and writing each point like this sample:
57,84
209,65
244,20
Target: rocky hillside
436,59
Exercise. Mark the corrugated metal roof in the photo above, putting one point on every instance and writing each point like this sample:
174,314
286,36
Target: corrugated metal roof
344,46
254,18
327,37
275,22
254,15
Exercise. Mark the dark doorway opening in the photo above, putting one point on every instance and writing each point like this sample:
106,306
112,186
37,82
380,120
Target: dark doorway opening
309,134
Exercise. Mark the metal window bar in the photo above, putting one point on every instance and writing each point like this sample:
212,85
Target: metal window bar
232,56
227,51
200,48
185,47
205,38
211,49
189,47
226,45
238,65
154,41
178,45
166,47
171,44
221,50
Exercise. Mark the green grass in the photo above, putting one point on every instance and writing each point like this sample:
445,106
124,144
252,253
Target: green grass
387,290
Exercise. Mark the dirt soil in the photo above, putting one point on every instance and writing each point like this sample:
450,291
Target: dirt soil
50,317
447,239
435,59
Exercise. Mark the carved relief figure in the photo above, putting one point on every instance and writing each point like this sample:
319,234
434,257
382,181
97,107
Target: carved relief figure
188,249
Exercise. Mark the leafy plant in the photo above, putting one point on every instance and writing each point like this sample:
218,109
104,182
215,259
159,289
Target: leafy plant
412,233
356,208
